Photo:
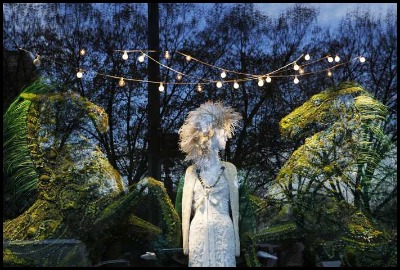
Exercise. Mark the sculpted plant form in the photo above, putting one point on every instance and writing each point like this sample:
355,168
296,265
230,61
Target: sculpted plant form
62,184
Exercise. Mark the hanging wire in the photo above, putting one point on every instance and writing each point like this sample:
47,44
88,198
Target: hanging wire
199,81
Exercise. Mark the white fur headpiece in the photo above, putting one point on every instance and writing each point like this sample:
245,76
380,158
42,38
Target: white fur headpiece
199,126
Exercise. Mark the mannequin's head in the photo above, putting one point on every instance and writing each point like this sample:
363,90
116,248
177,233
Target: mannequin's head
206,129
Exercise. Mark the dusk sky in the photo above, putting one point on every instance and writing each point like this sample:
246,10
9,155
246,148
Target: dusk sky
330,13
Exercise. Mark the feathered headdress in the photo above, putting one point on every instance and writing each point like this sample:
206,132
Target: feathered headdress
199,126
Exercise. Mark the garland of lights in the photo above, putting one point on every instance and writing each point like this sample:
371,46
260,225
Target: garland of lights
247,77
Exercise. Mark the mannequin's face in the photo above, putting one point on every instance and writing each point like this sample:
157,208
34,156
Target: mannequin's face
218,141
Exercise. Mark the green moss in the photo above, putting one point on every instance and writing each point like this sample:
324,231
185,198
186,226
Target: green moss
276,232
31,232
11,259
169,215
318,109
142,229
69,203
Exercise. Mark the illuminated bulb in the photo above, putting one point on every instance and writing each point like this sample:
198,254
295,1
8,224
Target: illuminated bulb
223,74
296,67
329,73
268,79
260,82
79,74
141,58
307,57
330,59
179,77
125,56
235,85
362,59
301,71
188,57
199,89
82,52
36,61
337,58
219,84
167,55
161,87
121,82
296,81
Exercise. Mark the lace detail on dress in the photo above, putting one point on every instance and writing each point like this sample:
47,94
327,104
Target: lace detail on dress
211,235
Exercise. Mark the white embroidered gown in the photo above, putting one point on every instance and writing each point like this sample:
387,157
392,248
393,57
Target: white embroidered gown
211,234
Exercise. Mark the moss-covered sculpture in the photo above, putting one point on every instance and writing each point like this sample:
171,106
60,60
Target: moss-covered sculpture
63,186
330,181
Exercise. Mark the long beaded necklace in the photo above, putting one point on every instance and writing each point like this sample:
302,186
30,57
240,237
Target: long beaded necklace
202,182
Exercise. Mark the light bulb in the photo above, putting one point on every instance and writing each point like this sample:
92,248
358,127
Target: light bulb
296,66
125,56
36,61
219,84
141,58
199,89
121,82
330,59
179,77
268,79
337,58
82,52
362,59
296,81
223,74
301,70
79,74
188,58
167,55
235,85
161,87
329,73
260,82
307,57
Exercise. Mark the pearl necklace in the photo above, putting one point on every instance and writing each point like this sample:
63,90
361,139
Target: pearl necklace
202,182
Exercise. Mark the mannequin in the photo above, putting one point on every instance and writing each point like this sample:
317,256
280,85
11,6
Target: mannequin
210,199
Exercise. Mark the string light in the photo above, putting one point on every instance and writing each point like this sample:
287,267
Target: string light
296,66
161,87
260,81
82,52
36,61
337,58
125,55
223,74
296,80
199,89
307,57
329,73
121,82
141,58
167,55
179,75
79,74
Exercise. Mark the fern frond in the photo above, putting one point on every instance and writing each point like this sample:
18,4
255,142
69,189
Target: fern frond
18,167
